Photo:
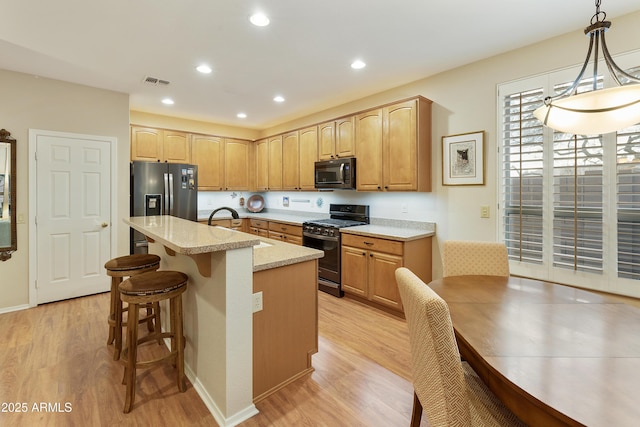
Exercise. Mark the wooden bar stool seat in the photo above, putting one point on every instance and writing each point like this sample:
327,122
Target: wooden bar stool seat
118,268
145,288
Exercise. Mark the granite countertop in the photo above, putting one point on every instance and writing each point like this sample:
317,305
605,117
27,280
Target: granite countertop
274,253
379,227
284,217
388,232
189,237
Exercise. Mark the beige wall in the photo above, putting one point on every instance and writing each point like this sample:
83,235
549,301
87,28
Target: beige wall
194,126
38,103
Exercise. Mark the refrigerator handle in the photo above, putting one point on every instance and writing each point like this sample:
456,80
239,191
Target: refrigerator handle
170,194
165,210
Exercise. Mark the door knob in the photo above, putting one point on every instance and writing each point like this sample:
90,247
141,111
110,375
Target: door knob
104,224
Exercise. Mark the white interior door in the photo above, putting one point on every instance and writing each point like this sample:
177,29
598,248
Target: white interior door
73,215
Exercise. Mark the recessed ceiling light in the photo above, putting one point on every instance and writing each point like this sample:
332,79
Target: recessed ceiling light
259,19
167,101
357,64
279,98
241,115
204,69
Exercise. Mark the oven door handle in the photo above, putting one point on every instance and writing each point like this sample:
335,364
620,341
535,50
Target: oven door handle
321,237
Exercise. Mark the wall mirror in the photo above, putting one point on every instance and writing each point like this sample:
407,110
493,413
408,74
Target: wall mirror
8,235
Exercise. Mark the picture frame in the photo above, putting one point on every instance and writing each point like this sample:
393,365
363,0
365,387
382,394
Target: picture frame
463,159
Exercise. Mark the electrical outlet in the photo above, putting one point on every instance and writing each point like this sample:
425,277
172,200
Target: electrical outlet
257,301
484,211
404,208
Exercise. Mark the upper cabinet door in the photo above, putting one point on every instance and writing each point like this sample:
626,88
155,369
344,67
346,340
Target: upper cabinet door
290,161
237,166
326,140
345,145
369,149
262,165
308,143
208,153
400,147
336,139
146,144
176,147
275,163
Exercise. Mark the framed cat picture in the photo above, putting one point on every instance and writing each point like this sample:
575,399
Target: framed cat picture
463,159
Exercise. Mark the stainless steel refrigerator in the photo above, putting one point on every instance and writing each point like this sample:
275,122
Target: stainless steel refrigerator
162,189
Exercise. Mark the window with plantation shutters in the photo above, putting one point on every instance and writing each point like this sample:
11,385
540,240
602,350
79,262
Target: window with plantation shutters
569,204
522,160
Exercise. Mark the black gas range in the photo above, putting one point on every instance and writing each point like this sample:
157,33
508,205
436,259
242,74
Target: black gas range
324,234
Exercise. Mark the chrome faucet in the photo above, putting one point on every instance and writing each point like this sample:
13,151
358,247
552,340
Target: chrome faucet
234,213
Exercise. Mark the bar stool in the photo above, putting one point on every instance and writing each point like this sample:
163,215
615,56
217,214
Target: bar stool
145,288
127,266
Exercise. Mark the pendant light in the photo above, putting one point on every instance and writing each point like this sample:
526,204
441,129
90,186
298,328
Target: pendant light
600,110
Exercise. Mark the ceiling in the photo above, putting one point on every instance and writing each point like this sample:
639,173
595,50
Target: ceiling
303,55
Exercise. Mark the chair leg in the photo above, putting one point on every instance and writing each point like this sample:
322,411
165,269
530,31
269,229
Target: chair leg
416,415
132,357
118,324
112,309
157,320
178,344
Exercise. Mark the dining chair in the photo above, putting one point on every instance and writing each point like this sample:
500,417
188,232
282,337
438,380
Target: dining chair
449,390
465,258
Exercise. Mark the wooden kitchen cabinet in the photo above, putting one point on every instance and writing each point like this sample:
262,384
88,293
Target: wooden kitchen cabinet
269,164
369,147
337,138
394,141
290,161
275,163
259,227
154,145
262,165
308,146
285,232
223,163
369,265
208,153
237,164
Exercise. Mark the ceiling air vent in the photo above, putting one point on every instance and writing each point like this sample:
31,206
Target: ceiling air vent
155,81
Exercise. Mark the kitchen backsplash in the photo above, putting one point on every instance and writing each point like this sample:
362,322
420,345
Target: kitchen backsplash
397,206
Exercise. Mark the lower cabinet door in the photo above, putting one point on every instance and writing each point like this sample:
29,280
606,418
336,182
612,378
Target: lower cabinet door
382,279
354,271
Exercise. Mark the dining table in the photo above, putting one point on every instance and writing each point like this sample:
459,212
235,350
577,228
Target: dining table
554,354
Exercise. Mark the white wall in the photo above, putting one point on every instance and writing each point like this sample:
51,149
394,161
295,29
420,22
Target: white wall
29,102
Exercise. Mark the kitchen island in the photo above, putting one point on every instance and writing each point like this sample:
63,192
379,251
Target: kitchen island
230,350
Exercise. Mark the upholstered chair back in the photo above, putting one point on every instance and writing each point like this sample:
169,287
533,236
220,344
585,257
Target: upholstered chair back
465,258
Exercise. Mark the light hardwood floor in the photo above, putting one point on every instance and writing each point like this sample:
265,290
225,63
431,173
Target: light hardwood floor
56,355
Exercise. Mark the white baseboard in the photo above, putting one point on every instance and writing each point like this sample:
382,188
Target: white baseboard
14,308
234,420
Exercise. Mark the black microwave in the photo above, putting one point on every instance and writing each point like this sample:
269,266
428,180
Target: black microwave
338,173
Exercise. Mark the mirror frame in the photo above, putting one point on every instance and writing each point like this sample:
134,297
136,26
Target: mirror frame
6,251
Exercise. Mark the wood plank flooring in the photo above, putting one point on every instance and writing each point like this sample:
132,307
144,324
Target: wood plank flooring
54,360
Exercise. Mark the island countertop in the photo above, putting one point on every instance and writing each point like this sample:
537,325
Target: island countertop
189,237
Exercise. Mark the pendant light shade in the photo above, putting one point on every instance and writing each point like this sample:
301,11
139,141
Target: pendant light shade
596,112
600,110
